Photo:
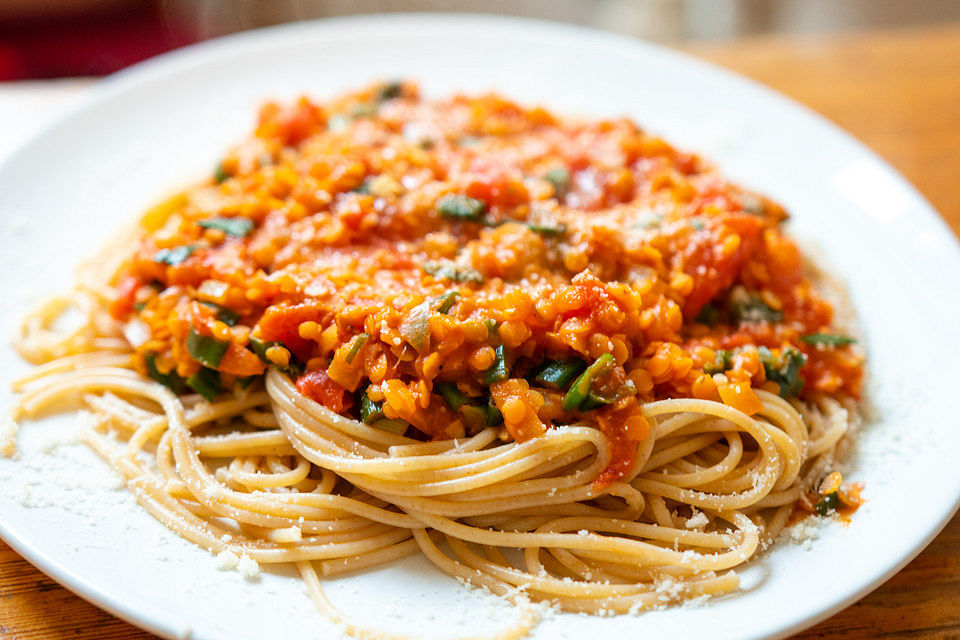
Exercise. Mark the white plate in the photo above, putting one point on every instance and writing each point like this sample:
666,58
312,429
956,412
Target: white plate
164,123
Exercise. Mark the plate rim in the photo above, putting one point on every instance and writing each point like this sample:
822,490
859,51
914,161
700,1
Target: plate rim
131,78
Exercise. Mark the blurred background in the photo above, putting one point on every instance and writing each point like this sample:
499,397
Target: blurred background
62,38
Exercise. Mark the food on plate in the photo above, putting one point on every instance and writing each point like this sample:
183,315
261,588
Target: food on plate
562,359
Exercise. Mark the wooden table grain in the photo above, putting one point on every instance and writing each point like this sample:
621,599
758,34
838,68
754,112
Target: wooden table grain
899,92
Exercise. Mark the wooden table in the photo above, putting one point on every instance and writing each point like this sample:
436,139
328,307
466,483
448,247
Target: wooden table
900,93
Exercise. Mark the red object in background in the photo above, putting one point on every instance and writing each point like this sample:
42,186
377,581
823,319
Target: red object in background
88,44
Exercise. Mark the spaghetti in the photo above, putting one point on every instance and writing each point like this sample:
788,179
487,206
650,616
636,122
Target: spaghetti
561,359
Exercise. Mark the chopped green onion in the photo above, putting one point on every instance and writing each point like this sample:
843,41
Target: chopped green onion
227,316
237,227
452,395
398,427
462,208
390,91
370,411
494,417
697,225
171,380
722,360
580,389
560,179
491,325
139,306
259,347
219,175
206,350
827,340
364,187
447,301
415,328
748,307
174,256
557,374
546,229
500,370
206,382
828,503
358,343
449,271
594,401
785,371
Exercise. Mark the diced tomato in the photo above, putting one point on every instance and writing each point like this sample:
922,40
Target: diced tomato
282,323
300,121
713,269
122,305
318,386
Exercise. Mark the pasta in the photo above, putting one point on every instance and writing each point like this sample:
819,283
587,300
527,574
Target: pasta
563,360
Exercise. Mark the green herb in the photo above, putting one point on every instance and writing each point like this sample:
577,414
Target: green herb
259,347
491,325
722,360
139,306
462,208
415,328
827,340
398,427
493,415
828,503
219,175
785,370
206,382
227,316
390,91
708,315
557,374
481,416
237,227
580,390
370,411
449,271
546,229
594,401
452,395
447,301
560,179
500,370
206,350
174,256
697,225
364,187
749,307
358,343
171,380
